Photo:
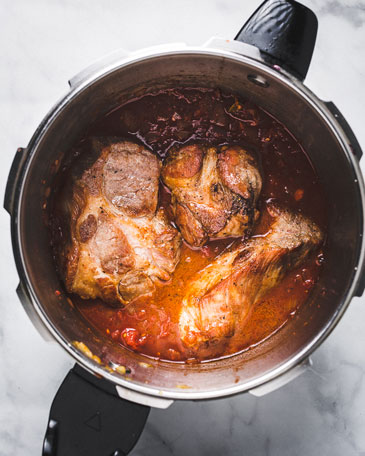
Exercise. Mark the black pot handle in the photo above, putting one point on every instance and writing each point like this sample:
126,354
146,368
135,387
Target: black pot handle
285,32
88,418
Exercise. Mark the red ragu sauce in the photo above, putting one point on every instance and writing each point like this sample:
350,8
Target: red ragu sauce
150,324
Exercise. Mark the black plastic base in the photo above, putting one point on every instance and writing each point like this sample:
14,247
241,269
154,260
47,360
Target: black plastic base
88,418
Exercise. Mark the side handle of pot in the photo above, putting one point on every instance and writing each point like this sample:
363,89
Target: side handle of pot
25,299
15,173
285,32
282,380
353,142
357,151
88,417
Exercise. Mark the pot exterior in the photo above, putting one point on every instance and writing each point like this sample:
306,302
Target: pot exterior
231,66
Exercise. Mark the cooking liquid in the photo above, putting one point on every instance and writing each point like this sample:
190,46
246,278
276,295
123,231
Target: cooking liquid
150,324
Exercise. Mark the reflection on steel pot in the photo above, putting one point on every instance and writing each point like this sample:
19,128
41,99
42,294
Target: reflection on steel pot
269,71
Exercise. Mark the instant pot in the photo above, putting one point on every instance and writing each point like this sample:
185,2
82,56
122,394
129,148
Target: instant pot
101,408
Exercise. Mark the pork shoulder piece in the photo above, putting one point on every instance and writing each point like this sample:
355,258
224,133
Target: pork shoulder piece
225,291
214,192
120,245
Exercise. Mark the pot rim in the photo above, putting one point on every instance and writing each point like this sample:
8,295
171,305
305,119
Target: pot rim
148,54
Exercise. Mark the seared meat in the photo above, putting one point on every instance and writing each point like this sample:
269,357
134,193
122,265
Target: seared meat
214,193
119,244
225,291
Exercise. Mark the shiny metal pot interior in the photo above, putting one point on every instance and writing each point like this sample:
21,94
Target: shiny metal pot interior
237,69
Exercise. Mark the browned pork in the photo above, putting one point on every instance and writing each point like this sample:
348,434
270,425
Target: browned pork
120,243
214,192
223,292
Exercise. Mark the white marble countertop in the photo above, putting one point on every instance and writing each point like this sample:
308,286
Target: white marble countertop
44,43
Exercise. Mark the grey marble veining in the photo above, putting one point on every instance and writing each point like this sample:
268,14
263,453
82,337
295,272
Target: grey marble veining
43,43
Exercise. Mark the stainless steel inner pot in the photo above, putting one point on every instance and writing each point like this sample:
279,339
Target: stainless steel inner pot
233,67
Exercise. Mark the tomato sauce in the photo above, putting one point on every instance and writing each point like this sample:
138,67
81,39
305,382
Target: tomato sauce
166,118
